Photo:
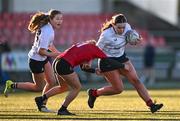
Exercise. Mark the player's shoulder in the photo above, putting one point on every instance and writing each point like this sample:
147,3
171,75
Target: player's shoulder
47,28
108,32
127,28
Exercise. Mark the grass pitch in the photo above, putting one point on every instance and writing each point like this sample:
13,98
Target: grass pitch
125,106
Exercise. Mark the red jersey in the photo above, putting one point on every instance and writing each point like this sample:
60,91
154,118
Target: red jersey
81,53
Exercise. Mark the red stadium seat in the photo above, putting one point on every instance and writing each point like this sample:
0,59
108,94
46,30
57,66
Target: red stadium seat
75,28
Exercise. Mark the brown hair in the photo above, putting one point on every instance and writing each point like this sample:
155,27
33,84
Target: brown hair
119,18
40,19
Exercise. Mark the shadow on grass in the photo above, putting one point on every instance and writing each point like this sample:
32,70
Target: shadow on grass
40,117
91,115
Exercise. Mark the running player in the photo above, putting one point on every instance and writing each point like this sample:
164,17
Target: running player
79,54
112,43
43,25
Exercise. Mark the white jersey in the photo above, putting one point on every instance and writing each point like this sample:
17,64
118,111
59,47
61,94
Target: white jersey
112,44
43,39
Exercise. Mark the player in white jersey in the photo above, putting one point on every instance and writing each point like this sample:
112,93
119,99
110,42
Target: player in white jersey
43,26
112,43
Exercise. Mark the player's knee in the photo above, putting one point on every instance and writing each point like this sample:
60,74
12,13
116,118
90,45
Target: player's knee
118,89
78,87
64,86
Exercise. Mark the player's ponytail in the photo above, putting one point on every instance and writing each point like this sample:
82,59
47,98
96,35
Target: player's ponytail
106,25
37,21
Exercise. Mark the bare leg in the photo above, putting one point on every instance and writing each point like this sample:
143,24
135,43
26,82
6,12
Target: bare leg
39,81
49,77
133,78
75,86
36,86
57,89
116,85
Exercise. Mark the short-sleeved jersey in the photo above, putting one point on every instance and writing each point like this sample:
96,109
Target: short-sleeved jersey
111,43
81,53
43,39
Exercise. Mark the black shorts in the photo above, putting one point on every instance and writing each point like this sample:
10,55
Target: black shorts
37,66
117,63
62,67
107,64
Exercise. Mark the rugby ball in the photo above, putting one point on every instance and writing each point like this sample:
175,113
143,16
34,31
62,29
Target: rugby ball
132,37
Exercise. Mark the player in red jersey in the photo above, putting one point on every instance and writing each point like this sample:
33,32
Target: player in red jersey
80,54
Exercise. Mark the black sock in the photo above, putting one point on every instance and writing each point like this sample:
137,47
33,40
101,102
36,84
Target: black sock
14,85
44,97
63,108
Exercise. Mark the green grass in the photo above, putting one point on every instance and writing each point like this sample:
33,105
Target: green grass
125,106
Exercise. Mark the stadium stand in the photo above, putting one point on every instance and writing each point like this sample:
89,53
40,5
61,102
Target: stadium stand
75,28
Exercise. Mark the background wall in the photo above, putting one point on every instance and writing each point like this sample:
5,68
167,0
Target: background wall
67,6
166,9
